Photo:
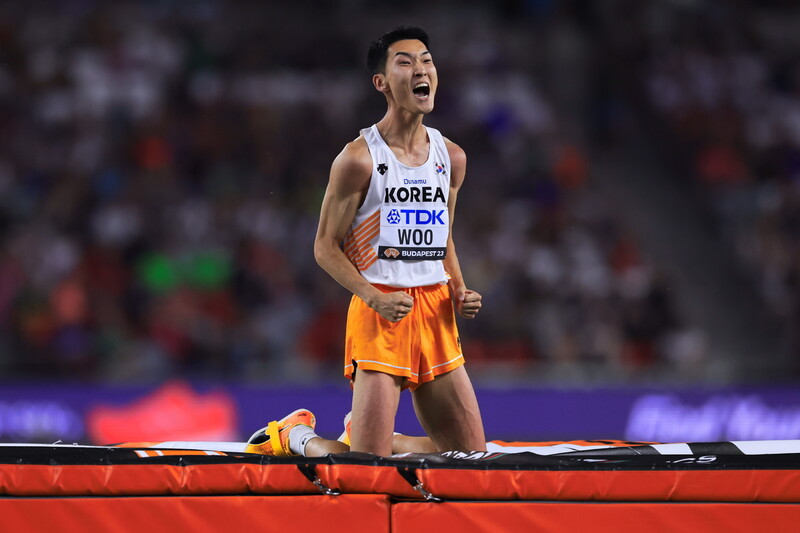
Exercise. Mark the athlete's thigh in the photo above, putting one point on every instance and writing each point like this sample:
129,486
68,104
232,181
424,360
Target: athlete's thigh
375,399
448,411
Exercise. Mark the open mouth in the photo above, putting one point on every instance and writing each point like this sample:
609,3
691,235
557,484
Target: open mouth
422,90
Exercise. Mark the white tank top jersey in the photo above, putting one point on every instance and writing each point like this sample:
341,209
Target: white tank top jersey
399,235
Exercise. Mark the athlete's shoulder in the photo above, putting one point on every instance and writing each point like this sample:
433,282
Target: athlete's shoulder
455,151
357,149
458,157
354,158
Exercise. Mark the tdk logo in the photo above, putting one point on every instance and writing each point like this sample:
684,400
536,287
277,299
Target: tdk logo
393,195
417,217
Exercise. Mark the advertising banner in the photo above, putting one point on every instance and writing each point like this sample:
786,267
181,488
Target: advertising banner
180,410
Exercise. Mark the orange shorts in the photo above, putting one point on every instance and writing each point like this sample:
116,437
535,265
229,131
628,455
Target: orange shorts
421,346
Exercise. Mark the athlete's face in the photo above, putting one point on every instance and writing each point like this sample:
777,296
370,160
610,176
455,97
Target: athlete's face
410,76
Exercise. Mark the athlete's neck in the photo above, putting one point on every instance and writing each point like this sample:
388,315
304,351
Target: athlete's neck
403,131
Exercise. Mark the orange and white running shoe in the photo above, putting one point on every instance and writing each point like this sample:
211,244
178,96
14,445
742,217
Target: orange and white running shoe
274,438
345,436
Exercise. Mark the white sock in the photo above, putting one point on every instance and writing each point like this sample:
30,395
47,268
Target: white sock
299,437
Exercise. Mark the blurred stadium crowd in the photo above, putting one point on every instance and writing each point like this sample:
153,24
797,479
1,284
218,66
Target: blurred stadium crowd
161,169
724,85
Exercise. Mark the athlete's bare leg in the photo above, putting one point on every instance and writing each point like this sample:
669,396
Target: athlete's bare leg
409,444
375,399
320,447
448,411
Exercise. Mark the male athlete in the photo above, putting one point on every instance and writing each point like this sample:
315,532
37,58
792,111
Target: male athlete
385,234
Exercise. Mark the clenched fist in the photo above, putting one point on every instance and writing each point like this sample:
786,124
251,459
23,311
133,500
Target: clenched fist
394,306
468,303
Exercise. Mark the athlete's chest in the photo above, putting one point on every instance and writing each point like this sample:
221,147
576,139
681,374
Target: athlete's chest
415,157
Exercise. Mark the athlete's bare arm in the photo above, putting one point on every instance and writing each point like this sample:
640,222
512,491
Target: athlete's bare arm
468,302
349,179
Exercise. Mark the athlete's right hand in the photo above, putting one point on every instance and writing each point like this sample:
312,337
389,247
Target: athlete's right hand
393,306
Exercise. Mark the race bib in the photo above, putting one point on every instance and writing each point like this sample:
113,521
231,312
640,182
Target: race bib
413,233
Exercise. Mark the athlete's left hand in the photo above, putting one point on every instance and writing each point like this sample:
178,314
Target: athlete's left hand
468,303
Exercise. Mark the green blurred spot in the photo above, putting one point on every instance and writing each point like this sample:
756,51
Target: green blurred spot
208,270
200,270
158,273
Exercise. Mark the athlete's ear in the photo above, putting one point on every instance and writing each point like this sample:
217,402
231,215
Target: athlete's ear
379,81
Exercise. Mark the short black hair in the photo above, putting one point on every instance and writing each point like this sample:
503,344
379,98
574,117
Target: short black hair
376,55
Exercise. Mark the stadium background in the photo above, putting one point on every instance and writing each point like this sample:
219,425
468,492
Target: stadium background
630,213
